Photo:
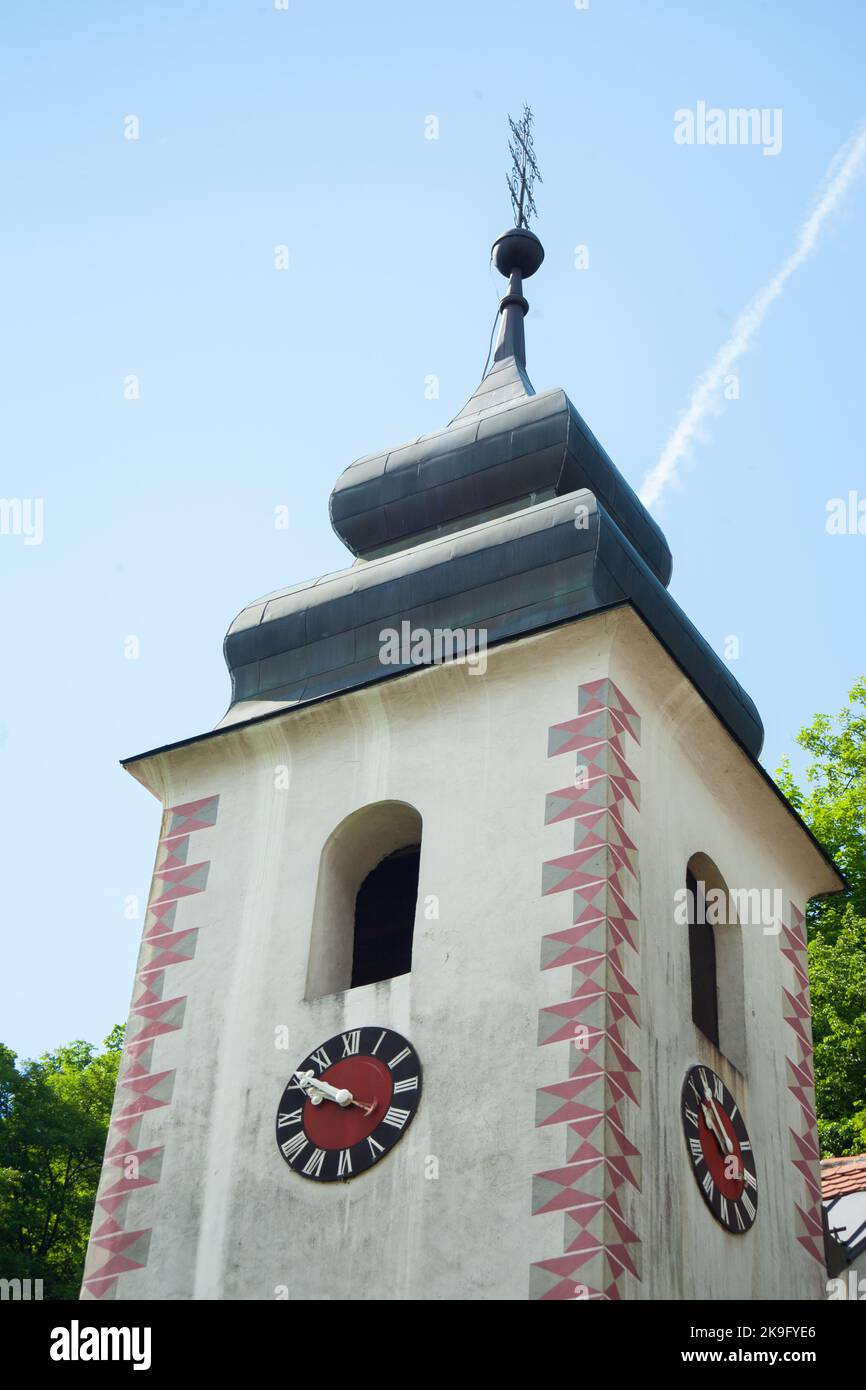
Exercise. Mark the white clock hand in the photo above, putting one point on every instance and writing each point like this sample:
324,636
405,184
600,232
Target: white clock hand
711,1124
319,1090
720,1132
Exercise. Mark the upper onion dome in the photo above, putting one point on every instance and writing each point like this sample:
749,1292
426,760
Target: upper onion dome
506,449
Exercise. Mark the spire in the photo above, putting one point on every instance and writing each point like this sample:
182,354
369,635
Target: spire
518,254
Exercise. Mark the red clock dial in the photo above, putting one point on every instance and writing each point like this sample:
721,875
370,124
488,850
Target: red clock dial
348,1103
720,1149
371,1083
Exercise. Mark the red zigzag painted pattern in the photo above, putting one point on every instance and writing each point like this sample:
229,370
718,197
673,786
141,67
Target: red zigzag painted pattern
594,1102
805,1156
127,1167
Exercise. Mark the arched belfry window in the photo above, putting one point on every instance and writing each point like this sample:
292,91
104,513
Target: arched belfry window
716,960
702,965
385,918
366,898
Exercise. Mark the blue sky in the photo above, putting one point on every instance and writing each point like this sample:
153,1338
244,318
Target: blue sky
306,128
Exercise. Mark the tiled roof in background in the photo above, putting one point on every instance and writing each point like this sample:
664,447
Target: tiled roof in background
839,1176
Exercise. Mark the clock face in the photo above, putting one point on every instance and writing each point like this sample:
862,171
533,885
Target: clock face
348,1103
720,1150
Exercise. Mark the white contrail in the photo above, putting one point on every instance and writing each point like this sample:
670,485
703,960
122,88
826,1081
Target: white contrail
843,170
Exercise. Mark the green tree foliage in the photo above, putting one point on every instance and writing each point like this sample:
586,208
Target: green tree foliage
833,805
54,1115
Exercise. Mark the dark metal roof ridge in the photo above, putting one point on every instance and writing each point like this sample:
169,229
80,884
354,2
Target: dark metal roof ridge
353,690
226,729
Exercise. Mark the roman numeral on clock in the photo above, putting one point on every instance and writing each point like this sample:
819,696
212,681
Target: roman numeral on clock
725,1166
396,1117
313,1165
292,1147
373,1070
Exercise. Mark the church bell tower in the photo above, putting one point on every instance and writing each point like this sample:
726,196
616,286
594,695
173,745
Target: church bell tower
473,966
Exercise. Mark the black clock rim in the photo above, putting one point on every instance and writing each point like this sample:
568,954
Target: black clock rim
412,1061
748,1157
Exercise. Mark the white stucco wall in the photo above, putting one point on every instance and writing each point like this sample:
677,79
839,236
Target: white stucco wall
699,793
227,1217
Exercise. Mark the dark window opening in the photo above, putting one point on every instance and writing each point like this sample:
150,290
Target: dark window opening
385,918
702,964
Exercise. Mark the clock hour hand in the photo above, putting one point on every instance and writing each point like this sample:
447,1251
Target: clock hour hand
317,1091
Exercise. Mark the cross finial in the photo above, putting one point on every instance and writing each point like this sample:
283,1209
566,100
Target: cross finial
524,170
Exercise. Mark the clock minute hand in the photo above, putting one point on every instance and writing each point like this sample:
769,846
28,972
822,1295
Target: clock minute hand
711,1125
722,1133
